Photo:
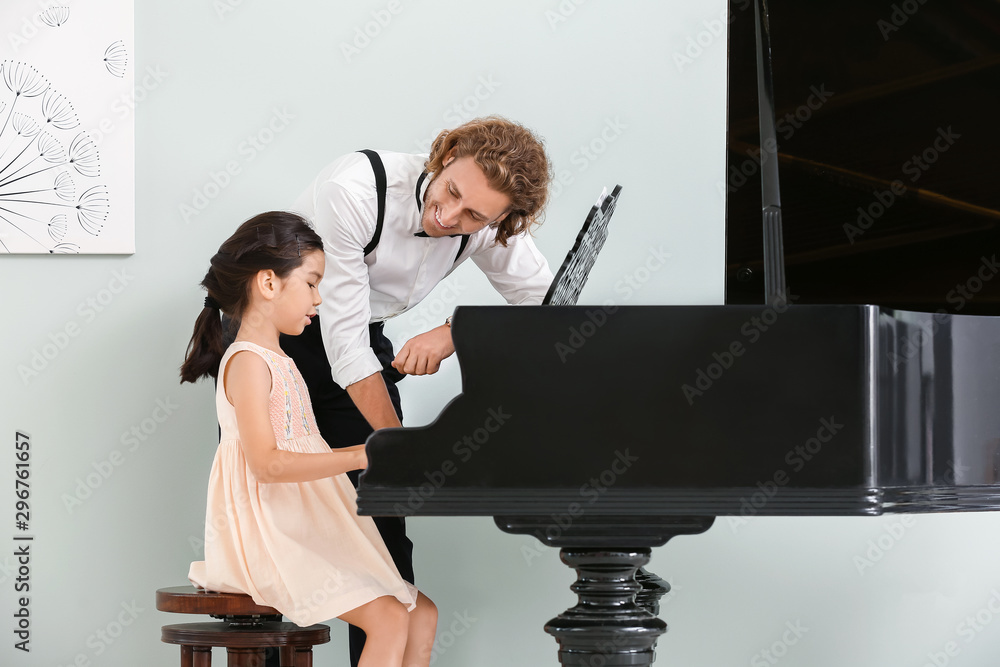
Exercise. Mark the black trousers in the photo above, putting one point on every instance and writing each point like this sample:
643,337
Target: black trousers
341,424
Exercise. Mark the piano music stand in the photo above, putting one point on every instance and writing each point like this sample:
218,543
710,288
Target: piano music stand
575,269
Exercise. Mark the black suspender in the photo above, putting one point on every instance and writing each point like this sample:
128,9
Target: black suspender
461,246
381,186
416,193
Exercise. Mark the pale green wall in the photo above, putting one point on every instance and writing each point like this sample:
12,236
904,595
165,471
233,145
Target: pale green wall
226,67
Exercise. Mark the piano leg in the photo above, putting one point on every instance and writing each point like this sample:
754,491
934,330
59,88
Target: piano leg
614,622
653,588
606,627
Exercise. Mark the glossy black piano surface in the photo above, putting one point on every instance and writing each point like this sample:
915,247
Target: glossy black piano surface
868,94
775,411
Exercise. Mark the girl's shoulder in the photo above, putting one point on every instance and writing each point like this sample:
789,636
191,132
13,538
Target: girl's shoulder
269,357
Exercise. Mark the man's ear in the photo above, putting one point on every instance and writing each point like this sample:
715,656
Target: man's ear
448,157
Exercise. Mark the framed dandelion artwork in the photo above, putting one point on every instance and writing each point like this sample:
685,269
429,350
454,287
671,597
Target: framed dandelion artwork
67,131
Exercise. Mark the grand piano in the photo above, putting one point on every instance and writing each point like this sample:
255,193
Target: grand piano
853,371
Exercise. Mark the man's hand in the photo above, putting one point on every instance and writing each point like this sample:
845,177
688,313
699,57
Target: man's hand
422,355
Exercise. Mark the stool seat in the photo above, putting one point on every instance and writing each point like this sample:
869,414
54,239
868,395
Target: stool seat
191,600
261,636
247,631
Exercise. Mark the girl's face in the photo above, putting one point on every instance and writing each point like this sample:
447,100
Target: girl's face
298,295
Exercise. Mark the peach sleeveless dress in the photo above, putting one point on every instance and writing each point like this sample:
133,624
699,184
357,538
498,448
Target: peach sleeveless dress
298,547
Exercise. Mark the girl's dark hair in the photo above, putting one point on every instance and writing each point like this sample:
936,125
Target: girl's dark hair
275,240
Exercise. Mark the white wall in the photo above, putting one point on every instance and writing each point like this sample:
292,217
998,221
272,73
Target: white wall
225,71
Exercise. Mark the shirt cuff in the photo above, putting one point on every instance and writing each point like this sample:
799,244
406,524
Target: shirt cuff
354,366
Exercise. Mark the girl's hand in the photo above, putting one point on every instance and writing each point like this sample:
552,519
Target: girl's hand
360,456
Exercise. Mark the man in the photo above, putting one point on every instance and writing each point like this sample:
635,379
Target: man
477,195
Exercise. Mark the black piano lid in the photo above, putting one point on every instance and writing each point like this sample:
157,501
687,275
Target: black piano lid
888,139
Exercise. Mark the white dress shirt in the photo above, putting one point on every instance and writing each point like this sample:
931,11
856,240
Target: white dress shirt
342,204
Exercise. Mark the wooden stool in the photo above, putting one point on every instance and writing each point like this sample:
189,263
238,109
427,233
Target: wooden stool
246,629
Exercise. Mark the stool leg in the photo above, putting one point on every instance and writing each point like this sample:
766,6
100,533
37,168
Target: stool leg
186,660
202,656
304,656
245,657
286,656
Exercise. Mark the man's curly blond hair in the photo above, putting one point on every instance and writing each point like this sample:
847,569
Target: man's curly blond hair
513,160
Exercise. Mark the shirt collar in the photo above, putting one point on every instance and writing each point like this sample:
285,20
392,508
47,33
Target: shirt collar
422,183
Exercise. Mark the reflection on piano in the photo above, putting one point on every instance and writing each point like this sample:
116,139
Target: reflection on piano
805,406
887,143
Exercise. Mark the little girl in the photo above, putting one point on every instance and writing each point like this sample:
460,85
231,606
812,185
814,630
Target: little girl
282,523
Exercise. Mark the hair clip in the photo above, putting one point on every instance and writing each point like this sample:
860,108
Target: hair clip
269,240
298,248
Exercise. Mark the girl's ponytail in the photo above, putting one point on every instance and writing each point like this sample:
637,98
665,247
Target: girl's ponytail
205,350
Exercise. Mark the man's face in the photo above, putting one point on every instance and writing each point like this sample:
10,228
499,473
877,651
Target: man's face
459,200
